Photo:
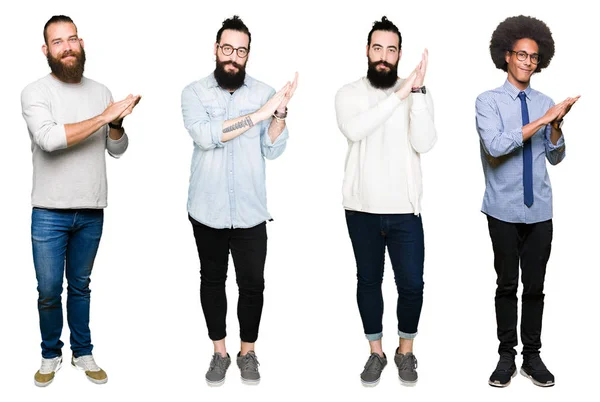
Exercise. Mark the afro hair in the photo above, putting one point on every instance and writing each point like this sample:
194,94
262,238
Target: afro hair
514,28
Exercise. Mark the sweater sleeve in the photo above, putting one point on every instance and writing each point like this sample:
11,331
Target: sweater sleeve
355,123
45,131
422,131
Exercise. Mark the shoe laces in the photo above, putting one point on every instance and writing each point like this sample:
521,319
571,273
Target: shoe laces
250,362
409,362
217,363
374,364
88,363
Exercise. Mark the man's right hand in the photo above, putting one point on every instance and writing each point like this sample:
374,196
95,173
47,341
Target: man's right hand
116,109
558,111
267,110
407,85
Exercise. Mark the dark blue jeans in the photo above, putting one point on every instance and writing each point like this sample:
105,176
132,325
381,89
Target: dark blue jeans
65,241
402,234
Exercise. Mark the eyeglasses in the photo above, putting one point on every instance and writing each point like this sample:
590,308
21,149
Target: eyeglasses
228,50
522,56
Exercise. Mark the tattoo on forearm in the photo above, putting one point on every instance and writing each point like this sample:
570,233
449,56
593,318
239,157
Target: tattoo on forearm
245,122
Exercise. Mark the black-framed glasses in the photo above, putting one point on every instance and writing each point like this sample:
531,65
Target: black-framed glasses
522,56
228,50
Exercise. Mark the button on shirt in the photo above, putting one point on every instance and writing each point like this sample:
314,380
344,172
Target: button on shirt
227,181
500,127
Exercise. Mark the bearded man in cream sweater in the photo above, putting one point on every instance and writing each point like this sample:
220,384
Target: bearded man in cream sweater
388,122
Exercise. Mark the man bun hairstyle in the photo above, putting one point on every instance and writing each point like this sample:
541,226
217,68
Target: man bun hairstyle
235,23
385,25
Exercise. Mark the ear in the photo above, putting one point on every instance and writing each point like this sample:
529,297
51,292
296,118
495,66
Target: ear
399,54
507,56
81,43
45,50
367,51
215,49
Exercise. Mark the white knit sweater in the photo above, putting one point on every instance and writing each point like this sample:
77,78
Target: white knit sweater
385,136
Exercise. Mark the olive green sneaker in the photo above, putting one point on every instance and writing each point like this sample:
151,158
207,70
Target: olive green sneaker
94,373
45,375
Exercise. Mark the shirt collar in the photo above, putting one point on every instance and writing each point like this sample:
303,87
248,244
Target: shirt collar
514,91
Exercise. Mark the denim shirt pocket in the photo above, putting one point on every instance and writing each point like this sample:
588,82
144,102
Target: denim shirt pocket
216,112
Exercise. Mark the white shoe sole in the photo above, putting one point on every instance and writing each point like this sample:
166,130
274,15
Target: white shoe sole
45,384
408,383
370,384
539,384
215,383
250,382
493,384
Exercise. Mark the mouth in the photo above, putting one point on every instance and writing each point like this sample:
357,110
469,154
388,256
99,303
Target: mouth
525,70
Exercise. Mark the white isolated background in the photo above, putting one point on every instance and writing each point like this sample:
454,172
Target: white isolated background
147,324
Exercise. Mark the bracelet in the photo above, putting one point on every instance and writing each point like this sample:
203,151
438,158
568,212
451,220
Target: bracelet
111,125
280,116
279,119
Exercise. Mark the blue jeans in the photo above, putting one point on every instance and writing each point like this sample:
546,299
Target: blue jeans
402,234
65,240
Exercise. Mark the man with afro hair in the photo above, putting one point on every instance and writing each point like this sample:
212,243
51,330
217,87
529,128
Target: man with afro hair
519,128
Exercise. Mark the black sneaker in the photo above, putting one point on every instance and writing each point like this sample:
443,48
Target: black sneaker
534,368
505,370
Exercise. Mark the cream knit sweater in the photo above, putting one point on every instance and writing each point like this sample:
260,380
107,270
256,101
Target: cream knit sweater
386,136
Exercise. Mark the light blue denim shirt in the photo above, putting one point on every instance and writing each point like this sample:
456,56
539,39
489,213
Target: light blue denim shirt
227,181
500,127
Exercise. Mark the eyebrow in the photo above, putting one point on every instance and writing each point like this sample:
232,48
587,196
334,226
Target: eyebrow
55,39
241,47
389,47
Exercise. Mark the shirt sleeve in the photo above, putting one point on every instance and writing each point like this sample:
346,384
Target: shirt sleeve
357,124
45,131
422,131
496,142
554,153
205,132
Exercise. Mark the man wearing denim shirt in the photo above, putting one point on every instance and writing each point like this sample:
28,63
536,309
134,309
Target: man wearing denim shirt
72,123
236,122
519,128
388,123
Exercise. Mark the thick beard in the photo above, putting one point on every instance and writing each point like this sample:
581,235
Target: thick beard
72,73
230,81
382,79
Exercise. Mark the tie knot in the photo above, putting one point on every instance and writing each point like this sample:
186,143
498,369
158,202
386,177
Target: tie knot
522,95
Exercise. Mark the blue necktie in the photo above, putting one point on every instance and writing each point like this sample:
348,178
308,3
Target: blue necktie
527,158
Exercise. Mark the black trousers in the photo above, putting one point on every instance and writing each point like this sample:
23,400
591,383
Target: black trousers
249,251
529,245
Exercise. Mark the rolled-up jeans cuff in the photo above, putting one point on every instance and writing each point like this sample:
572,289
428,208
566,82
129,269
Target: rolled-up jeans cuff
407,336
374,337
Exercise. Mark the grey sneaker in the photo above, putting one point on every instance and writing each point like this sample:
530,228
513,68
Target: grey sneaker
407,365
372,372
248,365
45,375
215,375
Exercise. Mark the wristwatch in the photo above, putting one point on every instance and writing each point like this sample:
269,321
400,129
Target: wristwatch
557,124
116,127
419,90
